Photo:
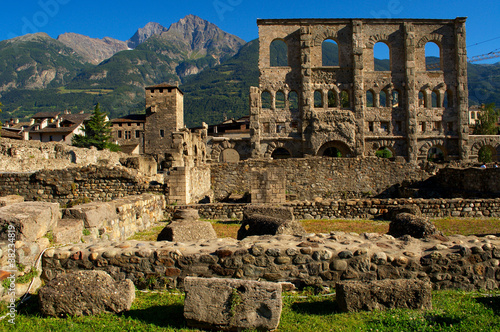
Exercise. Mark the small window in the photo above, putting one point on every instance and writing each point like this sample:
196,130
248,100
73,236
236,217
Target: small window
448,99
422,126
472,115
370,126
119,132
330,53
435,100
278,53
162,133
344,99
383,99
384,127
318,99
293,101
266,100
129,124
421,99
395,98
332,99
128,134
369,99
432,56
137,134
436,126
280,100
280,128
381,57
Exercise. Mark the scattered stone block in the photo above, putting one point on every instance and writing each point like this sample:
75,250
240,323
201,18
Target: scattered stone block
187,231
231,304
32,220
68,231
84,293
415,226
280,212
265,225
186,215
383,294
93,214
11,199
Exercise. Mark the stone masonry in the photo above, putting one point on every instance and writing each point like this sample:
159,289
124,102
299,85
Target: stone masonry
412,108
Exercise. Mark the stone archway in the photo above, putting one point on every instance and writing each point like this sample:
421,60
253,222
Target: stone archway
334,149
493,144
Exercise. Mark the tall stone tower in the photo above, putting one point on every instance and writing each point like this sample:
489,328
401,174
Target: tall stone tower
164,116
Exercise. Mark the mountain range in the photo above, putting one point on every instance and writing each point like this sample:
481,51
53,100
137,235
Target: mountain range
215,70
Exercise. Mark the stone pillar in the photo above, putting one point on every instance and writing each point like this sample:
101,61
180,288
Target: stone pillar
178,186
255,108
268,186
462,89
307,90
358,86
411,92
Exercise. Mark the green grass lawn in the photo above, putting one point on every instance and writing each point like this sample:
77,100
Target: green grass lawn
302,311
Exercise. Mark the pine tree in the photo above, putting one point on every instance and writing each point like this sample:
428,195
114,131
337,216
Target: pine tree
97,132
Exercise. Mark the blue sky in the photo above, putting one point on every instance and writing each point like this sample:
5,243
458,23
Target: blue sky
120,19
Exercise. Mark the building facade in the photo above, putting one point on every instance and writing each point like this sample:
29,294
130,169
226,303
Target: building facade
343,104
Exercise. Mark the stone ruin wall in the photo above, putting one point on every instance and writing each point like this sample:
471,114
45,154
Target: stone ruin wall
413,126
310,178
89,183
314,260
369,208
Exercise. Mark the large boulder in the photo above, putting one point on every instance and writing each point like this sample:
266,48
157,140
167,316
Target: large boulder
280,212
415,226
383,294
32,220
232,304
264,225
84,293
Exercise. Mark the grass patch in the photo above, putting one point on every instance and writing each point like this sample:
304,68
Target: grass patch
468,226
149,234
304,311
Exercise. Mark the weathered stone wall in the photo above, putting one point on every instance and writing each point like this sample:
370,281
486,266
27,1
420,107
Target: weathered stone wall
322,260
38,225
31,156
95,183
308,178
359,208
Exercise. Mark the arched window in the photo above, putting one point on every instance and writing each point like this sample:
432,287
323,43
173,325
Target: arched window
448,99
280,100
318,99
370,100
435,99
266,99
345,101
384,152
421,99
278,53
281,153
383,100
332,98
395,98
330,53
293,101
432,56
381,57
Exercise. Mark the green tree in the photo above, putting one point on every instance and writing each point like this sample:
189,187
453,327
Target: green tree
97,132
485,155
486,123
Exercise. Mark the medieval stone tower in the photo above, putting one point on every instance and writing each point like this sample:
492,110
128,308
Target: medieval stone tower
164,116
349,107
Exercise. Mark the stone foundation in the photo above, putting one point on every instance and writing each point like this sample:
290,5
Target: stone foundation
314,260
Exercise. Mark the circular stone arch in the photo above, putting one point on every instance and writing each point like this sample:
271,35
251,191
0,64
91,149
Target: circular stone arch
493,144
327,149
427,146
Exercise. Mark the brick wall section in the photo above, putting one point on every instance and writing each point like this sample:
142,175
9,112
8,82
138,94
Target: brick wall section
321,260
97,183
360,208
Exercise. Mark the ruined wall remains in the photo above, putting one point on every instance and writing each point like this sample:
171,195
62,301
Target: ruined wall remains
268,186
461,262
359,208
309,178
94,183
335,100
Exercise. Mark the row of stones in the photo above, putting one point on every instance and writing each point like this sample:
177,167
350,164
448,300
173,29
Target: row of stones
313,261
362,208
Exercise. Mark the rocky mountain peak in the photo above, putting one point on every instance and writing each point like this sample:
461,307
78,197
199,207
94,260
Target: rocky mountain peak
142,34
93,50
